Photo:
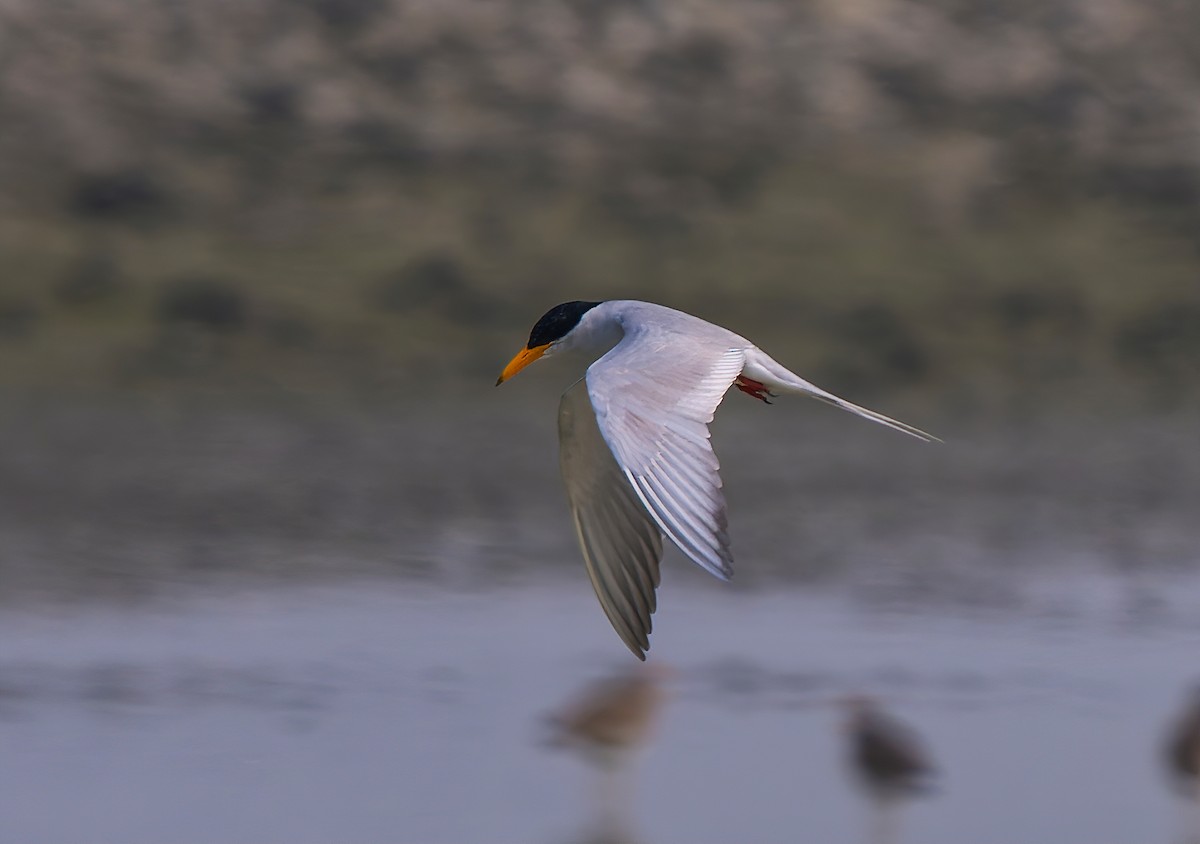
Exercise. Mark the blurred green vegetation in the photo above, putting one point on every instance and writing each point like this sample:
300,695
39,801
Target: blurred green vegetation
828,269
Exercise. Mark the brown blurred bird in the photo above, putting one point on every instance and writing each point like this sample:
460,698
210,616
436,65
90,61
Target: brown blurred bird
607,722
1183,749
888,759
611,718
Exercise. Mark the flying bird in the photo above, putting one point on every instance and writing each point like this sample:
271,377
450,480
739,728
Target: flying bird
634,445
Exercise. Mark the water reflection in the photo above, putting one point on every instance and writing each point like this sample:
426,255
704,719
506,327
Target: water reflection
606,831
297,711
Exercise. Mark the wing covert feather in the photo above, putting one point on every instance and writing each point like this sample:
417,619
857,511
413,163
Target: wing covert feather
653,398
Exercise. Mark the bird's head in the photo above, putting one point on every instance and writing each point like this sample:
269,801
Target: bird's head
552,332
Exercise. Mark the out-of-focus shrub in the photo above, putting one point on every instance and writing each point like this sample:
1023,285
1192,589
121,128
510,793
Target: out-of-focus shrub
1163,343
1164,185
285,328
271,102
120,194
436,282
18,318
207,303
875,349
94,278
689,67
1023,309
346,15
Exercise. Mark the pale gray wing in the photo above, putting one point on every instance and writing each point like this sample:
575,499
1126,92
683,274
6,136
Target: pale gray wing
654,395
620,541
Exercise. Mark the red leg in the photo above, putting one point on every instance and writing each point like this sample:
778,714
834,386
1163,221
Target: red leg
753,388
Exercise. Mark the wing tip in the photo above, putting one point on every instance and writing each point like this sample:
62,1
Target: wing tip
637,648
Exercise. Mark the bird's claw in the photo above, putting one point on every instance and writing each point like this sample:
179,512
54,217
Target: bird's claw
755,389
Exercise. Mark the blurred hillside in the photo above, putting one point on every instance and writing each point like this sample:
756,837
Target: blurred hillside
971,201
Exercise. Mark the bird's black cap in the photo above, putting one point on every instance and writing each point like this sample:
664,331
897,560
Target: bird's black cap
557,322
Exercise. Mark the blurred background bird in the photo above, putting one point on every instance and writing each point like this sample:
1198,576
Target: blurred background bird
606,723
888,760
1182,756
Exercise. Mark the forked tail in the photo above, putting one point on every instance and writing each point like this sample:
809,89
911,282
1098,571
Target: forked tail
865,413
769,374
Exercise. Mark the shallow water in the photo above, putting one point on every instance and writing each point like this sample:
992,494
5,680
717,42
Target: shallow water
124,500
405,712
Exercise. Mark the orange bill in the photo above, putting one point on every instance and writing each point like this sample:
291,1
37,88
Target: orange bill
522,360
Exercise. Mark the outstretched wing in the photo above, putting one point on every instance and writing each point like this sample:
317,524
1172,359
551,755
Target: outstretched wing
620,541
654,397
643,463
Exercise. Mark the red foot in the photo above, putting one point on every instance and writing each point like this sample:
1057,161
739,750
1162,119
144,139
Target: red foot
753,388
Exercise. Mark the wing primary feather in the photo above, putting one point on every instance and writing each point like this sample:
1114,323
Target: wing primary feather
626,559
643,570
604,586
706,507
698,512
684,513
699,555
662,514
601,590
622,602
690,466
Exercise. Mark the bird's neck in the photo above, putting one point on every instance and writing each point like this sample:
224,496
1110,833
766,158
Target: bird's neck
600,329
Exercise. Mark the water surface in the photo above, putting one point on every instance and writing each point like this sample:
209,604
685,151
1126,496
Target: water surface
394,712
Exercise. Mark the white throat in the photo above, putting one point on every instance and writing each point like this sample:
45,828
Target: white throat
598,331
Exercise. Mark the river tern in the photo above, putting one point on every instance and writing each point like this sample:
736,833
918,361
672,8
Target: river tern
634,445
